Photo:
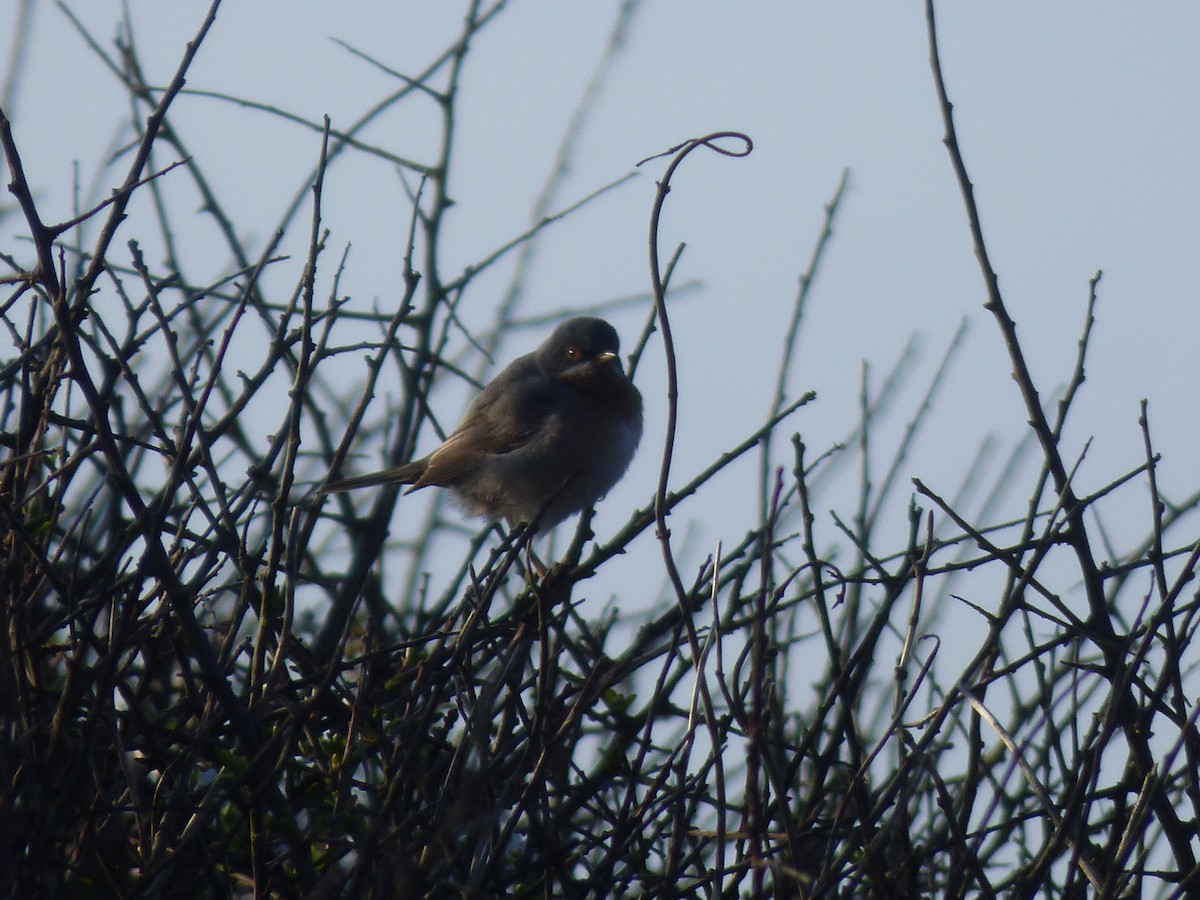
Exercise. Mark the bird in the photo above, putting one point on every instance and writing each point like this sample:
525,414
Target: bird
544,439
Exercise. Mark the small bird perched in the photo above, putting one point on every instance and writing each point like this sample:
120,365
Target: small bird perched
545,438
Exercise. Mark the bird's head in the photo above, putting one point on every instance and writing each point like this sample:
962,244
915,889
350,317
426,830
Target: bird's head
582,352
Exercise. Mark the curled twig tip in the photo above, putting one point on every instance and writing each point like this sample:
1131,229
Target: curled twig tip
709,141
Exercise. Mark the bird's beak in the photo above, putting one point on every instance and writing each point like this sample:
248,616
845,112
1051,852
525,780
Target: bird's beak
607,357
596,367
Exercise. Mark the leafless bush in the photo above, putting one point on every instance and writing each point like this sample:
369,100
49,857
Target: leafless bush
213,684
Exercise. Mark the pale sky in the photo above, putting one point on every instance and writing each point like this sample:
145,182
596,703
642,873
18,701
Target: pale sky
1079,123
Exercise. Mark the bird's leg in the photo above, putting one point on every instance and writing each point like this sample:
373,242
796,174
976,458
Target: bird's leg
522,535
534,564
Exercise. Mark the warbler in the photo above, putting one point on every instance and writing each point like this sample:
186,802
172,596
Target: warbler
547,437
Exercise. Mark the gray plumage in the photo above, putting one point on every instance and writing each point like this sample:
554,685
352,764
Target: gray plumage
549,435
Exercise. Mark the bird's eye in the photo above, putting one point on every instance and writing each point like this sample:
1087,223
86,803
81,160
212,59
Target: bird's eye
574,354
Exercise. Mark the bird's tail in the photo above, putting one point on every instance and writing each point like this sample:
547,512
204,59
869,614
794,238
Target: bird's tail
405,474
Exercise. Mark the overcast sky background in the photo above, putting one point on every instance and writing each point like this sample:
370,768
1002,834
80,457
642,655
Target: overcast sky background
1079,123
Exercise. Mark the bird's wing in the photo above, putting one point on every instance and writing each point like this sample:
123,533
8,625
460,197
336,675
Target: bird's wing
505,416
